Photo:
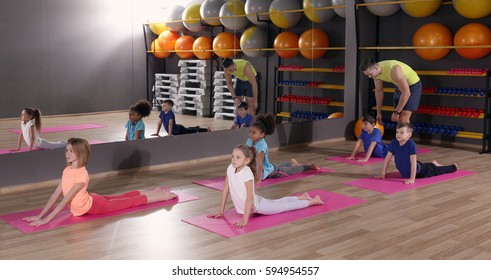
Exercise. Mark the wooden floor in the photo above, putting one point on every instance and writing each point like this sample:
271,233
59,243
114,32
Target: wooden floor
449,220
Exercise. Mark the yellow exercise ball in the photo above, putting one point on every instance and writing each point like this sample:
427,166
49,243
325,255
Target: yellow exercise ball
359,127
472,8
157,27
421,9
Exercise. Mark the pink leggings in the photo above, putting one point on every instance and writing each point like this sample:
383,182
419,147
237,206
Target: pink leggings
110,203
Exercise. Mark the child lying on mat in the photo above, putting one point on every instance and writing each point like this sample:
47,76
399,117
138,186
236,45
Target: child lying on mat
265,125
74,183
405,158
371,140
240,183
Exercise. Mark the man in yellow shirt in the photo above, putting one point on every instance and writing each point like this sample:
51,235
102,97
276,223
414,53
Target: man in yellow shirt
246,84
408,87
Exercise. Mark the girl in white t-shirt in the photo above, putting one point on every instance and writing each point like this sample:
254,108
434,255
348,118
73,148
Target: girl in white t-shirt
240,183
30,127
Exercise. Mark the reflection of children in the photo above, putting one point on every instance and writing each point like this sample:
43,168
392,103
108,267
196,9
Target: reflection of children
371,139
168,120
135,128
265,125
405,158
30,127
243,118
74,183
240,183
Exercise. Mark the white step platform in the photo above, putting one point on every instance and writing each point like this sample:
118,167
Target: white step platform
224,116
166,77
193,63
194,83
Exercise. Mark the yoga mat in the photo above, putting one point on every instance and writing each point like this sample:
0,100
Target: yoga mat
65,218
371,160
394,183
64,128
225,226
219,183
25,149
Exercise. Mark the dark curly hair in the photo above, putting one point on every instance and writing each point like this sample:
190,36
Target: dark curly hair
142,107
265,123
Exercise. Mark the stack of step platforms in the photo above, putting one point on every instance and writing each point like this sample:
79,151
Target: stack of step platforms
166,87
194,89
223,104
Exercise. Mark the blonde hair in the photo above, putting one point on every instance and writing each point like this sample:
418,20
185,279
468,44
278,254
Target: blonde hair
82,149
250,153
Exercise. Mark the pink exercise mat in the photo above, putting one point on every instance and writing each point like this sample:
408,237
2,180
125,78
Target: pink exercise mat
225,226
219,183
65,218
394,183
25,149
64,128
371,160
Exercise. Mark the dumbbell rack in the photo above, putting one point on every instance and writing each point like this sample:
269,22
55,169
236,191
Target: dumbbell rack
194,92
463,113
166,87
223,104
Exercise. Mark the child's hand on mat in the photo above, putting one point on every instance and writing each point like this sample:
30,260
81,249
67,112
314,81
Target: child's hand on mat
381,176
409,181
31,218
215,216
14,150
39,222
350,158
155,134
240,224
362,160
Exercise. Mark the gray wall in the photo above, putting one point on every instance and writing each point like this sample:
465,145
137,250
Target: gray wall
70,56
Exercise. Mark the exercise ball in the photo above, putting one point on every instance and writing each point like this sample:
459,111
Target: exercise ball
210,11
253,38
173,20
156,50
184,43
432,34
157,27
286,40
339,11
421,9
284,19
191,18
200,45
472,8
359,127
232,15
254,7
224,45
382,10
473,34
167,40
310,39
336,115
318,16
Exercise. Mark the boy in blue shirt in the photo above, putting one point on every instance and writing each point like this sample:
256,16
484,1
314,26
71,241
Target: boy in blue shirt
168,120
405,158
371,139
243,118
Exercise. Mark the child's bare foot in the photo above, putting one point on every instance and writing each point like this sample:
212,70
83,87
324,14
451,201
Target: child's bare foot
209,129
294,162
167,195
316,201
436,163
305,196
314,166
456,166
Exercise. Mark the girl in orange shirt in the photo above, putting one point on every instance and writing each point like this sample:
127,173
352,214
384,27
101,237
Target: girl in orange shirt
74,183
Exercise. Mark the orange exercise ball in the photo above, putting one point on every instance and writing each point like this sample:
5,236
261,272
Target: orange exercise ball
473,34
184,43
286,40
359,127
157,50
200,45
310,39
432,34
167,39
336,115
228,42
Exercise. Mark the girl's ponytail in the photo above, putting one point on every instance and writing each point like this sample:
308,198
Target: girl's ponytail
37,116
